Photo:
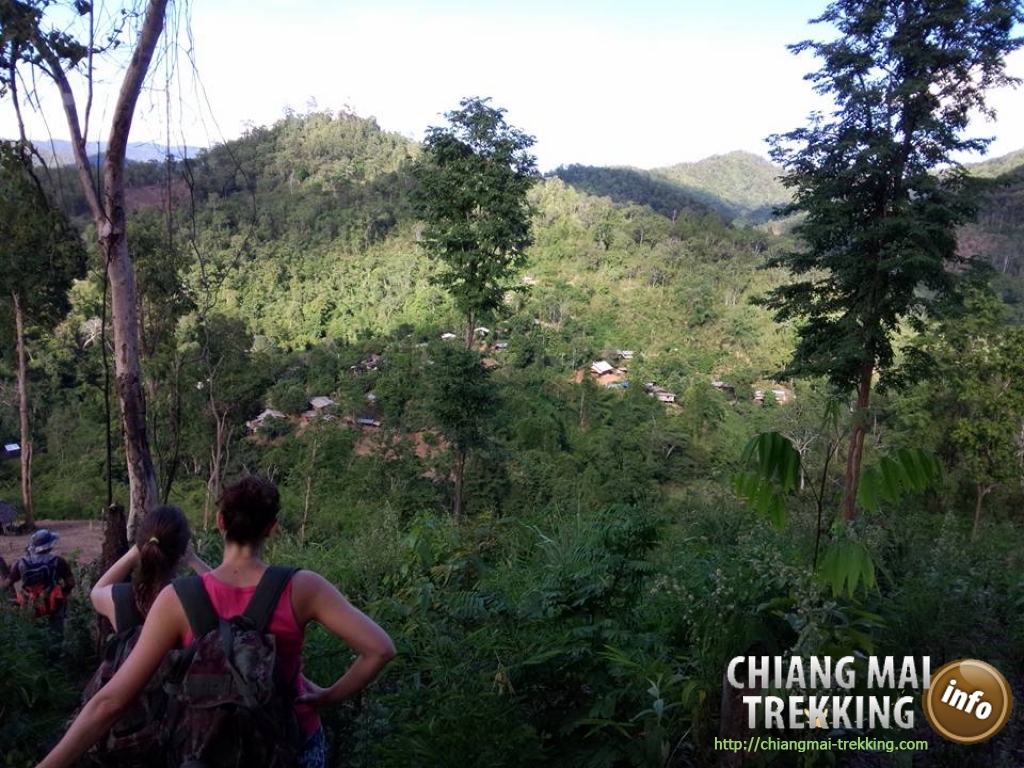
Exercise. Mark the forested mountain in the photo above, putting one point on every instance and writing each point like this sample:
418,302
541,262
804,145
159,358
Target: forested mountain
633,186
743,186
304,230
997,234
997,166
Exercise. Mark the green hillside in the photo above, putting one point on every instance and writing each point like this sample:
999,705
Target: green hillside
307,226
997,166
625,186
606,570
742,185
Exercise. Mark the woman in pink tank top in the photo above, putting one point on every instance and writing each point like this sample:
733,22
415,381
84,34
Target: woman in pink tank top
246,516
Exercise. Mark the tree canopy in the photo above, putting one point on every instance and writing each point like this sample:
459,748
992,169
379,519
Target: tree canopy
473,177
879,220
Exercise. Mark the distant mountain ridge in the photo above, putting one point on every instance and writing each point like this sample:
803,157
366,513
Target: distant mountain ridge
632,186
61,151
997,166
741,185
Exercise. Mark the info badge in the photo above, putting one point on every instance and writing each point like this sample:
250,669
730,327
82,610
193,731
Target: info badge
968,702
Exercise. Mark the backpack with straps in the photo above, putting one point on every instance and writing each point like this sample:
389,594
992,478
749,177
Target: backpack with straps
39,588
137,737
231,705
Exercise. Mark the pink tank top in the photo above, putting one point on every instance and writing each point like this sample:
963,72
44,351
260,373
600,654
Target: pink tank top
231,601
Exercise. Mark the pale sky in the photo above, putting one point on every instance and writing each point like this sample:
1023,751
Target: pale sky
645,83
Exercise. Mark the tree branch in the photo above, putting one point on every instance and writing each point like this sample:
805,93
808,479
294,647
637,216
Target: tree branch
67,97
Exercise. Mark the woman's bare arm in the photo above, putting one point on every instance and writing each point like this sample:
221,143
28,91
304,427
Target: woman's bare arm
194,561
102,595
320,601
163,630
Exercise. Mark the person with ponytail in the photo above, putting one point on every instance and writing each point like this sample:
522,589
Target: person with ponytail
162,544
247,516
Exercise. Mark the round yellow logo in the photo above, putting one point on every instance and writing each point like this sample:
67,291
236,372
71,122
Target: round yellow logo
968,702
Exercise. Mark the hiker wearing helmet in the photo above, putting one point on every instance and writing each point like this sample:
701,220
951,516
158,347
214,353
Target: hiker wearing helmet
247,515
46,579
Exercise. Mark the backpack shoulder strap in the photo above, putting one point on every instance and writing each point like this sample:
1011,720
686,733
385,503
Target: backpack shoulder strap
126,613
268,592
202,616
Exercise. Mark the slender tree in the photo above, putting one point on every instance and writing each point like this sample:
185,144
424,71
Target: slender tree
878,220
40,254
461,398
473,178
33,36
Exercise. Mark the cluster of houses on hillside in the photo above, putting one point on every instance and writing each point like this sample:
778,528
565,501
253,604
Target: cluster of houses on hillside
616,377
780,395
369,415
318,406
611,375
659,393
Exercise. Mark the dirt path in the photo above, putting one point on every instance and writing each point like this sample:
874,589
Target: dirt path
80,540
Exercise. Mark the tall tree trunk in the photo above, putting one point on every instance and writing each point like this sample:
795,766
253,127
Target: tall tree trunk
855,451
460,473
26,437
217,460
309,492
115,544
141,476
982,492
109,214
470,330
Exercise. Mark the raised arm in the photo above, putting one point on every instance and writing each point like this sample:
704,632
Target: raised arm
164,629
102,595
316,599
194,561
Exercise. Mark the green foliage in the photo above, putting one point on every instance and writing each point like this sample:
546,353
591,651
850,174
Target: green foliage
972,391
908,471
845,566
288,396
626,186
473,179
604,573
548,639
40,253
776,475
878,223
35,696
742,186
460,397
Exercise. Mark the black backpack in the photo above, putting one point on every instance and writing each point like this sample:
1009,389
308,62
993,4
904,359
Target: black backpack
39,590
138,736
231,705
